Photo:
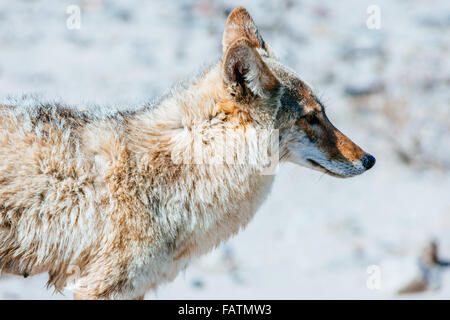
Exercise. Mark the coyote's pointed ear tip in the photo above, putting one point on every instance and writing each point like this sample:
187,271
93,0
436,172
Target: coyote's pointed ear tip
238,12
239,9
240,24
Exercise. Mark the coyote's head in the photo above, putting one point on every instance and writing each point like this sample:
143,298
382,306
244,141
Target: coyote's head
257,81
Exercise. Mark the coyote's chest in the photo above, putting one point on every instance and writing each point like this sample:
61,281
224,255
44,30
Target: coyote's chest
200,228
208,227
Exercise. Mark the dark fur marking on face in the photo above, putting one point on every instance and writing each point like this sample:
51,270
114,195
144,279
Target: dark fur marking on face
289,102
308,130
289,109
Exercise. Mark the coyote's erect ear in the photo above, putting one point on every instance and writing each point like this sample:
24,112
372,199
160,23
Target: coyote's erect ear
245,72
240,25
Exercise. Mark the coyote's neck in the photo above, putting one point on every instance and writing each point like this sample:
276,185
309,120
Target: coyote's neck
202,203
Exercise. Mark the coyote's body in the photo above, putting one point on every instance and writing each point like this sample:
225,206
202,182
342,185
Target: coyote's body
97,199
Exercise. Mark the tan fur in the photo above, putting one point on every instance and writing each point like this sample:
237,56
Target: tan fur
94,207
99,202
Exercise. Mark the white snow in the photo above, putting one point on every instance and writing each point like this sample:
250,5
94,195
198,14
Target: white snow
316,235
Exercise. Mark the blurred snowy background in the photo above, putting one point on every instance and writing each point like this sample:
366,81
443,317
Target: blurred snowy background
315,237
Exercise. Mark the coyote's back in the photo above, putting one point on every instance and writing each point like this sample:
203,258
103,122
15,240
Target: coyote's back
45,184
71,201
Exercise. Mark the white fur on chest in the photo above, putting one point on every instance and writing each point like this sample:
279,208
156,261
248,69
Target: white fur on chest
200,232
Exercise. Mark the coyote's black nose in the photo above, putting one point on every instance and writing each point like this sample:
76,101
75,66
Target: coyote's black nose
368,161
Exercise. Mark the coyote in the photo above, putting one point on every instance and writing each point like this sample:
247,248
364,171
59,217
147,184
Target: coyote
100,202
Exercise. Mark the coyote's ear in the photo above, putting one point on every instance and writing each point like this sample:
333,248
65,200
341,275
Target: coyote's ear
240,25
245,72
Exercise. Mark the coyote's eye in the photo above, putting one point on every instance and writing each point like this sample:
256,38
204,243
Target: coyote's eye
312,119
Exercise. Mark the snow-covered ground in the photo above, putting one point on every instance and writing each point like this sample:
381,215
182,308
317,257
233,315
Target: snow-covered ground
315,236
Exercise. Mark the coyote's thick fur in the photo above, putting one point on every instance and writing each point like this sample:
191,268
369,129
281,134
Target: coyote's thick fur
98,199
